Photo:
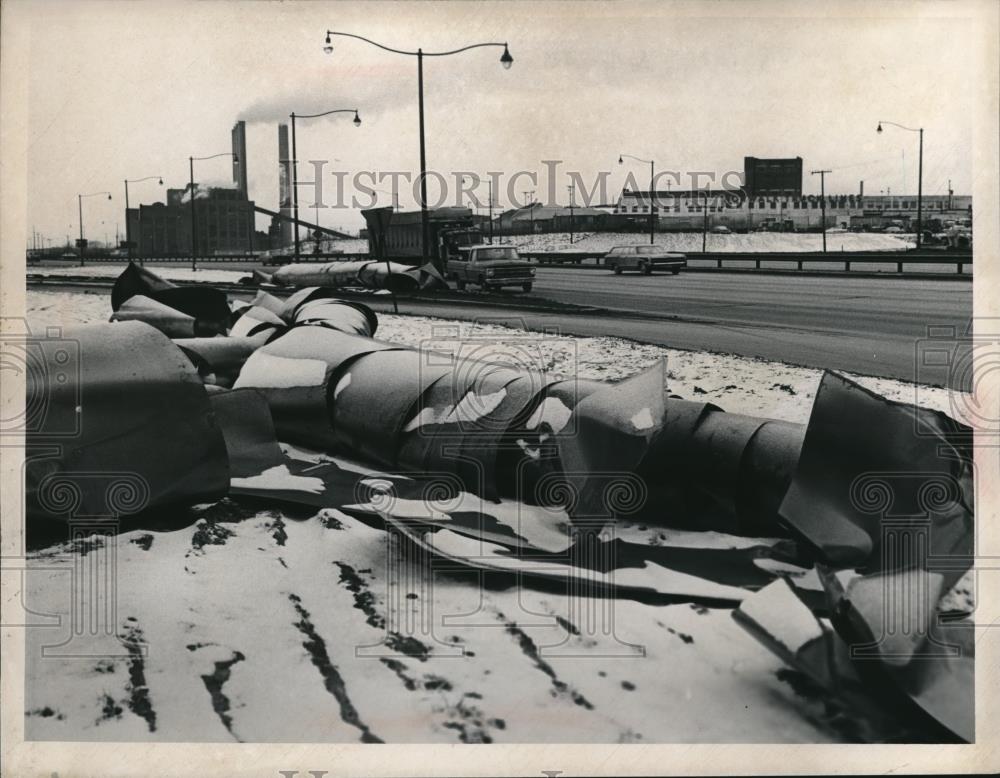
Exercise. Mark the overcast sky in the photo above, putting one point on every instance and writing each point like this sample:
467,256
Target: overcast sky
125,90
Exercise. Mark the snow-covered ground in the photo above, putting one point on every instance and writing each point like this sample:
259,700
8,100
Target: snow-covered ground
689,242
179,272
231,622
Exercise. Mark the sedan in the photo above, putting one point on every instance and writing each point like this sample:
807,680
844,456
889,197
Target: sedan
645,259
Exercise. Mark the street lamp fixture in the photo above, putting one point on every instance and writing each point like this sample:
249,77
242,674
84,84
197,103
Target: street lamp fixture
128,228
652,192
295,164
194,232
506,60
920,174
79,202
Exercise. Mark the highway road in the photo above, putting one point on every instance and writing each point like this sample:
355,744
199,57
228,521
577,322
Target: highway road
866,325
871,326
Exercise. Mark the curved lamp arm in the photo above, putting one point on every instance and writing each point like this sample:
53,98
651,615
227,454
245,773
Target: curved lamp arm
213,156
140,180
621,159
902,127
357,119
506,59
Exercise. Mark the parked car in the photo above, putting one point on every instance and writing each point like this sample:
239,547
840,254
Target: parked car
489,267
645,259
892,228
721,229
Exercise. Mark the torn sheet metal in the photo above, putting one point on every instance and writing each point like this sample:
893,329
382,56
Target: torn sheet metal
207,306
871,469
930,696
294,373
219,360
126,425
862,480
366,274
267,317
170,321
248,431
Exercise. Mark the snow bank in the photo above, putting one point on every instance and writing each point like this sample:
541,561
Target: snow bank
179,272
690,242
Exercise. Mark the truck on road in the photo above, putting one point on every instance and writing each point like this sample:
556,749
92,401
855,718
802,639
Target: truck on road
489,267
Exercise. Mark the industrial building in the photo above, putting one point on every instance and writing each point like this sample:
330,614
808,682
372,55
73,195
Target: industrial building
224,220
733,209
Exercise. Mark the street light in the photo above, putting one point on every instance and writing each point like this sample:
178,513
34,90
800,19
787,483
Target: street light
79,201
652,193
128,228
920,173
194,238
295,163
506,60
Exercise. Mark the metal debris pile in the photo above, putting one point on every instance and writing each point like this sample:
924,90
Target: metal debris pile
864,514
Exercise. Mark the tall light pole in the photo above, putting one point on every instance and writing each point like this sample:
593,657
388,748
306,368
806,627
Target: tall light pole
128,228
652,193
822,201
572,197
295,163
505,59
704,225
920,174
194,232
79,202
531,207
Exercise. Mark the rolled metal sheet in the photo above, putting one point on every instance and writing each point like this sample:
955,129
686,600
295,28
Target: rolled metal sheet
219,360
339,315
257,322
397,378
865,458
126,425
294,372
209,307
267,317
248,431
167,320
367,274
501,402
316,297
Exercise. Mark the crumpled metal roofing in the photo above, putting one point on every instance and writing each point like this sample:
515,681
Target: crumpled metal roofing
509,470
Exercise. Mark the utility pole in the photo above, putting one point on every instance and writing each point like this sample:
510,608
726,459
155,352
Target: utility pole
491,211
950,193
822,201
531,206
704,226
572,197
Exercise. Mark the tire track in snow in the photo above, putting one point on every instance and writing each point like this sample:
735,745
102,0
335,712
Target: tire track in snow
332,679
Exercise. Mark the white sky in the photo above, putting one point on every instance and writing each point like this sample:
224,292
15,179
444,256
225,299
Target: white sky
132,89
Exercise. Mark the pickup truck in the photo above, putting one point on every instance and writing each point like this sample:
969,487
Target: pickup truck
489,267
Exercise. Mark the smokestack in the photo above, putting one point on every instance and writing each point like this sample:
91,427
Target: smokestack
240,160
284,184
861,189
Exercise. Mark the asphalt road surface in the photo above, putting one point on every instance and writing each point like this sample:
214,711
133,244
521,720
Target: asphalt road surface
874,326
871,326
